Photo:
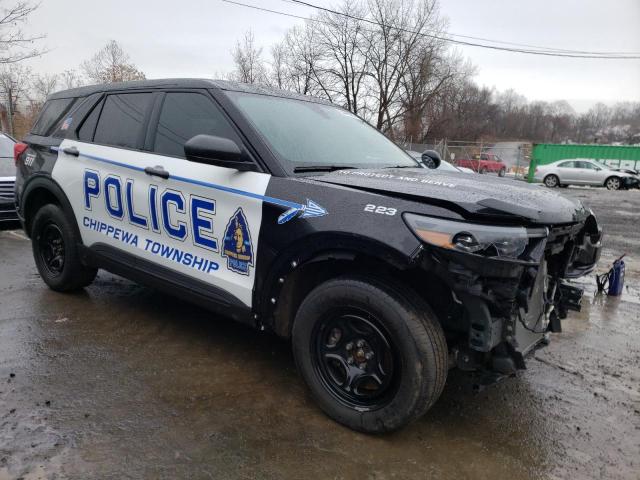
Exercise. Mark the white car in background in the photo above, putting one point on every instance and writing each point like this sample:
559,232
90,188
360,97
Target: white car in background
444,165
583,172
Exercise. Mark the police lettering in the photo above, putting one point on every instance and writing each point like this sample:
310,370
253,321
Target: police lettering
167,210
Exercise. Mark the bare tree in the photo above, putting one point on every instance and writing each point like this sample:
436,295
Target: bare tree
343,48
278,72
248,61
15,46
111,64
304,57
386,61
43,85
400,27
71,79
14,81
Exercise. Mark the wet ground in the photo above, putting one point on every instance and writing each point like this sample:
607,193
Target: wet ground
123,382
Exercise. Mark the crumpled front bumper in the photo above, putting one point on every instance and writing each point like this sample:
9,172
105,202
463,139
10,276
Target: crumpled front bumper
509,305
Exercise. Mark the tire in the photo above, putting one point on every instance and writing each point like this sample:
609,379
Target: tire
551,181
613,183
55,250
362,319
483,170
502,172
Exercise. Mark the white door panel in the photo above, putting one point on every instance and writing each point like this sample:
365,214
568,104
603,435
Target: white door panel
203,221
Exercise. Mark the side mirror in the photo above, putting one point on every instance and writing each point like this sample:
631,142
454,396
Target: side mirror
431,159
219,151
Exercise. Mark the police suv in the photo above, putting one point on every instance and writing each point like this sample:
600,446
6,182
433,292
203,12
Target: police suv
290,214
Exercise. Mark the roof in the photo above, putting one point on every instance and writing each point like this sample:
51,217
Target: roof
184,83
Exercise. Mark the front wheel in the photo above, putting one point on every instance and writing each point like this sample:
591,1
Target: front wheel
612,183
374,357
502,172
55,250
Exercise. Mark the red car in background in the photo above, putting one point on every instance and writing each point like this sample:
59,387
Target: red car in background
484,163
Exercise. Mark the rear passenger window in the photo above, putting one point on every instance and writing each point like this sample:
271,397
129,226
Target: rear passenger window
185,115
85,132
51,113
121,121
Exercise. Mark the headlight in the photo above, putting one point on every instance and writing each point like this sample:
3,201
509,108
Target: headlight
486,240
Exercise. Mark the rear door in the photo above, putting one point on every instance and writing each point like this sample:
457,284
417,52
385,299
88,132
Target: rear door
567,172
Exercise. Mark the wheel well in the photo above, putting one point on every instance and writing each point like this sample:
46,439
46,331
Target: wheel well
298,284
37,199
610,177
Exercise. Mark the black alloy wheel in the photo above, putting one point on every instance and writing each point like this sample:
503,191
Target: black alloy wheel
373,355
354,359
51,249
55,242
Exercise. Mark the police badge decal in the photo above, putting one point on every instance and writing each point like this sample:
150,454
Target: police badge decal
237,246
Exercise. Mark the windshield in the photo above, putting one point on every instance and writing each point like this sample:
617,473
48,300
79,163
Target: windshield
304,134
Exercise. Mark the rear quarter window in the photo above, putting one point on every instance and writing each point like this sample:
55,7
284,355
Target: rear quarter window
51,114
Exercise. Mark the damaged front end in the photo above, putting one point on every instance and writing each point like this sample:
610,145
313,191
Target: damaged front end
508,284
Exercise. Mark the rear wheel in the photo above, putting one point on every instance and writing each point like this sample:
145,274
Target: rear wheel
483,170
502,172
613,183
551,181
55,250
373,357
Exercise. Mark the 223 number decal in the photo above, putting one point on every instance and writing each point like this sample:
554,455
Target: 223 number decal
380,209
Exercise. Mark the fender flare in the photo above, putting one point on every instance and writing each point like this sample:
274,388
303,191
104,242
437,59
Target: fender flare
316,249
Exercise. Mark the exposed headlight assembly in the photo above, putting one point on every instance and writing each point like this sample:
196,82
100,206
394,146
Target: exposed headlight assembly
485,240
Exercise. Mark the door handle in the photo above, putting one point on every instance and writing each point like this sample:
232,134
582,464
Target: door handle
157,171
73,151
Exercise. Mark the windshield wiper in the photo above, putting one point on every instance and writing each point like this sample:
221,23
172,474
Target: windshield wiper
321,168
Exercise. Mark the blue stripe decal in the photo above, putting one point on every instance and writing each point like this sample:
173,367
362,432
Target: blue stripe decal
311,209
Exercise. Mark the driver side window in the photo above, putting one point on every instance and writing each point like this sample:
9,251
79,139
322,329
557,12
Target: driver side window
185,115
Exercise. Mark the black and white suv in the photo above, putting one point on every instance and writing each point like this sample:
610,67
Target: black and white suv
293,215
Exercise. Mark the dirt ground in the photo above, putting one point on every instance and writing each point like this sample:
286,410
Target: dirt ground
123,382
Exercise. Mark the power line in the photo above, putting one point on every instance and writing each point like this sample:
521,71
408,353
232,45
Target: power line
537,47
437,37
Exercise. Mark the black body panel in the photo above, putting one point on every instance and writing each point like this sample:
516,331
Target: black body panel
479,195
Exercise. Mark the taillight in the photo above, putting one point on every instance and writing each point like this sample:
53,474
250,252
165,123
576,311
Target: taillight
18,149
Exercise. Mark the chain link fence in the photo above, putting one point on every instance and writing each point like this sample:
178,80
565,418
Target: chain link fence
515,155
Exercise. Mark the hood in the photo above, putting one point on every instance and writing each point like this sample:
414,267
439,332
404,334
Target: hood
477,194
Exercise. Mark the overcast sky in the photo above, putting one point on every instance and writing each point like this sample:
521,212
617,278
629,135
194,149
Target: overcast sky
192,38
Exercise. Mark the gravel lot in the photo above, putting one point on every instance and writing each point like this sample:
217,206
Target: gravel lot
123,382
